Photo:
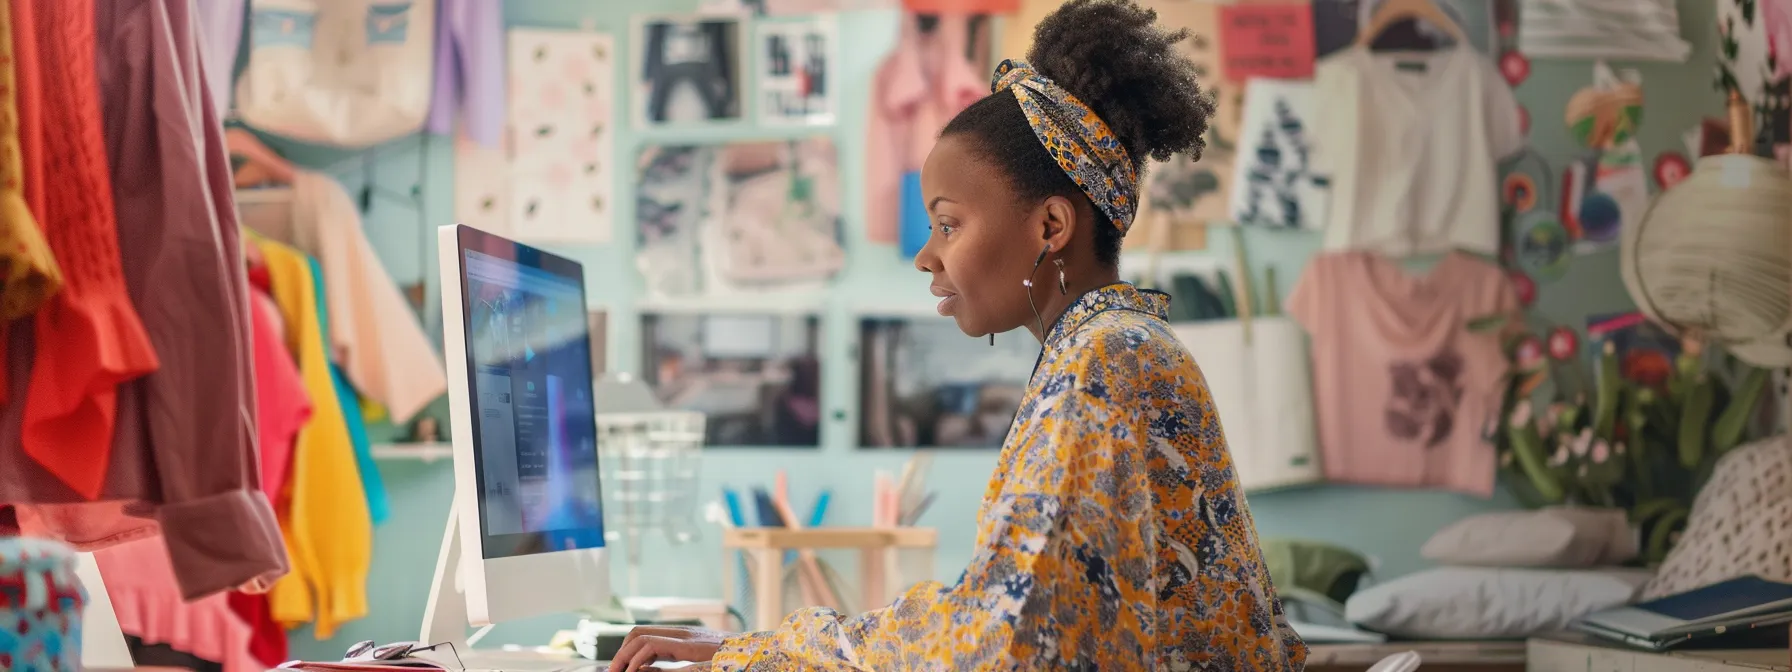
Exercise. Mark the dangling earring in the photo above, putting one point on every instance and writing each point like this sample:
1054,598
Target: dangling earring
1062,289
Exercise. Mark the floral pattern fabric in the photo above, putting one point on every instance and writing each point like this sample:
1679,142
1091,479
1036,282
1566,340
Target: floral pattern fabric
1113,534
1082,144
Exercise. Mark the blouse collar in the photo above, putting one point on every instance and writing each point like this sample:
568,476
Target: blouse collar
1117,296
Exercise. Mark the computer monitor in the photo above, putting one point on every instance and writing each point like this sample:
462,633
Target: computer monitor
525,535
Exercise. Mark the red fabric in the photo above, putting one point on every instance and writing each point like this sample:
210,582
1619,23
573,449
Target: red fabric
268,643
89,338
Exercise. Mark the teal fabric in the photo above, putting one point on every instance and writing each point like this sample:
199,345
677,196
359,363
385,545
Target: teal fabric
378,505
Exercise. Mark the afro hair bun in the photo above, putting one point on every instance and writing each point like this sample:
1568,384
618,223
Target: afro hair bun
1114,56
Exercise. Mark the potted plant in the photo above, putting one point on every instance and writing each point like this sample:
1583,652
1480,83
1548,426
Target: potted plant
1643,437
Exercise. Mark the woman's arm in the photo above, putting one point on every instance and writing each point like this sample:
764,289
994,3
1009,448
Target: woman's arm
1028,544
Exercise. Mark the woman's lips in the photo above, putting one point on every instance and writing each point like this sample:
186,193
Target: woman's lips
948,299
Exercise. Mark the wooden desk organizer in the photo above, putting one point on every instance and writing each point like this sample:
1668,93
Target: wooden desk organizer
879,549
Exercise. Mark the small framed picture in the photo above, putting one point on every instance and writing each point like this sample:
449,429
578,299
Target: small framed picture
688,69
755,374
924,384
795,65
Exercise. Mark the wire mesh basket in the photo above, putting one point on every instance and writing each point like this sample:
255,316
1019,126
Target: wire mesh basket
649,463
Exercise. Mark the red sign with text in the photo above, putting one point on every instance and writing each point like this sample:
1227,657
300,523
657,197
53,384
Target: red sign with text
1266,40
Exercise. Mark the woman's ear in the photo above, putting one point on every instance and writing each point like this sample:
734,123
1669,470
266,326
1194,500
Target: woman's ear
1060,222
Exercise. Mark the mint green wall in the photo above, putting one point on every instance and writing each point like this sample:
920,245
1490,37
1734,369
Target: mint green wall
1386,524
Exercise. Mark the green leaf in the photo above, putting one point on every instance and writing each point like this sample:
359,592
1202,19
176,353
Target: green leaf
1488,323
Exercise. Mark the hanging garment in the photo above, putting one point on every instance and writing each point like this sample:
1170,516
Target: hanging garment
327,526
1107,538
267,638
349,73
1403,389
372,487
469,65
140,582
374,332
31,274
89,337
919,88
1411,144
281,405
220,36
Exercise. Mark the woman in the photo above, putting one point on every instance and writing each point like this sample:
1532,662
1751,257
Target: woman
1113,535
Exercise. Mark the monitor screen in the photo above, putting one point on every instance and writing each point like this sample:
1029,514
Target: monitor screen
534,431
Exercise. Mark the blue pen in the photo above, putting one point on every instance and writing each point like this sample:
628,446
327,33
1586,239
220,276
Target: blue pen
821,508
732,499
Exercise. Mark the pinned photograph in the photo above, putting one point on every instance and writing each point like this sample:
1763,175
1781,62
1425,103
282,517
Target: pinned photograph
689,70
924,384
795,67
756,375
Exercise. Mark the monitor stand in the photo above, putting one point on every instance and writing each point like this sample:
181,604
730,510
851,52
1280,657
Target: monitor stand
445,621
445,617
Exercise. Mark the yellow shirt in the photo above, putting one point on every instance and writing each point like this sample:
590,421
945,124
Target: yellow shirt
1113,535
328,530
31,274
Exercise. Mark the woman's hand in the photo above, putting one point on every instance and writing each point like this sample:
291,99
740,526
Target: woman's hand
648,644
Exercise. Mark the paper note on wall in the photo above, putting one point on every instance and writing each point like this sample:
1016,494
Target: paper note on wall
1183,196
1274,41
562,91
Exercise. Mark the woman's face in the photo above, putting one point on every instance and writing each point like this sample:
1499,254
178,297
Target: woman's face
984,241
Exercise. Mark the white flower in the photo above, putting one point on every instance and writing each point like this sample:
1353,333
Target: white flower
1521,413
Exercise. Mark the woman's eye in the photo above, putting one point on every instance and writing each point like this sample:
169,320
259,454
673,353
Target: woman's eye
943,228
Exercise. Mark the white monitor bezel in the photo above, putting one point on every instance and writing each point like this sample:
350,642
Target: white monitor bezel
496,589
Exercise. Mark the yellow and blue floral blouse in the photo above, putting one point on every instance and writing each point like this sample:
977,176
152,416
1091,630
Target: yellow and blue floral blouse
1113,535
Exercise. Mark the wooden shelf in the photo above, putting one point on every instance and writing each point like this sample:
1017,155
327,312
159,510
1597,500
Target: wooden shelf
830,537
418,452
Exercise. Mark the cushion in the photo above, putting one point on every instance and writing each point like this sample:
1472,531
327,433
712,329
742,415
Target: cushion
348,73
1561,537
1741,523
1316,566
1489,603
41,602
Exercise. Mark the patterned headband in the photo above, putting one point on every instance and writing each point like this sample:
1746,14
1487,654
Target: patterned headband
1077,139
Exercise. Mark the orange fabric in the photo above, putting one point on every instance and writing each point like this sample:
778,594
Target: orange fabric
89,339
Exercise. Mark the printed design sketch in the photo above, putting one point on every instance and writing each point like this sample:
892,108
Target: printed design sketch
1607,188
561,135
923,383
1274,185
796,61
1425,397
689,69
551,180
757,376
1183,196
738,217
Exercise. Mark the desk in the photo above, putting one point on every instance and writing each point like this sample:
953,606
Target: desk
1570,652
1436,656
765,546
